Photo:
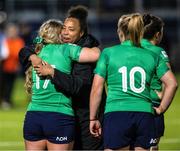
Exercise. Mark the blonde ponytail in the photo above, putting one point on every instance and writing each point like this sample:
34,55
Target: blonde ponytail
135,28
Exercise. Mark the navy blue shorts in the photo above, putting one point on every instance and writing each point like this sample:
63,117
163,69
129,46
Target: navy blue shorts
159,125
55,127
123,129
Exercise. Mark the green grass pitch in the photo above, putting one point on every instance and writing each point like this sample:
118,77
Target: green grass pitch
11,122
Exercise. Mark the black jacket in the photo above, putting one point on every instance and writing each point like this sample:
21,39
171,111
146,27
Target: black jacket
78,84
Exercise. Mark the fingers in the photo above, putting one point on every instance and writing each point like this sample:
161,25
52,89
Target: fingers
95,128
38,69
158,111
44,63
159,94
99,131
44,69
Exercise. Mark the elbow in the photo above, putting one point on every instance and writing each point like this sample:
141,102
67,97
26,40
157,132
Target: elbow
174,85
96,54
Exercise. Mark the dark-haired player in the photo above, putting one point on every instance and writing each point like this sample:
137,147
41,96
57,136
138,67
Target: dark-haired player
79,83
153,33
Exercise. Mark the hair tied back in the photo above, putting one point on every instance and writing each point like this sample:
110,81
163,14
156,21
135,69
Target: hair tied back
38,40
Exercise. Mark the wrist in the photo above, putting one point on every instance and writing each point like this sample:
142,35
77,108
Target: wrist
161,109
32,56
93,119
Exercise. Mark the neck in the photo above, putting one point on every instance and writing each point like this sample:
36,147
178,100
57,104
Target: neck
153,42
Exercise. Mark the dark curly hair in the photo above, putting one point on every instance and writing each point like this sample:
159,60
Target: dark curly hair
152,25
81,13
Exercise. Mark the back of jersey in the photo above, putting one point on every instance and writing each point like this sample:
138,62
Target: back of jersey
44,95
129,71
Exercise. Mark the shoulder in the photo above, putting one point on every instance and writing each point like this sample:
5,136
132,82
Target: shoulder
69,44
88,41
111,49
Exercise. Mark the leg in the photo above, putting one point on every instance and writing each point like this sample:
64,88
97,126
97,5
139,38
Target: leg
52,146
159,127
35,145
120,149
83,139
155,148
140,148
8,80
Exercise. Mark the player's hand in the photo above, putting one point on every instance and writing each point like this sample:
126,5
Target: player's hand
159,110
44,69
35,60
159,94
95,128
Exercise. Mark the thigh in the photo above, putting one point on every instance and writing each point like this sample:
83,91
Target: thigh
35,145
83,139
52,146
118,130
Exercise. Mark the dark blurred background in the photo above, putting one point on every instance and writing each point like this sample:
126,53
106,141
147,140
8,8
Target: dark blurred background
28,15
103,17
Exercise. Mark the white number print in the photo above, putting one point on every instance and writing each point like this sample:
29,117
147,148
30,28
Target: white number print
46,82
123,71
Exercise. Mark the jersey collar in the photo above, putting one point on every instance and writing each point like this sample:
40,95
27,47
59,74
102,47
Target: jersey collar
126,43
145,42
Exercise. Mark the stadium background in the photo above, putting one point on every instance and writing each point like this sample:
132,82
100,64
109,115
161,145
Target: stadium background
102,20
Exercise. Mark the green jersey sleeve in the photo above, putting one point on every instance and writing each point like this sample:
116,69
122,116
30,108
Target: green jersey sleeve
74,51
101,67
162,68
164,55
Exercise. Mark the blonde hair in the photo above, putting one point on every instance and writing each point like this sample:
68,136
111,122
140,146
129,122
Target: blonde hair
132,27
49,33
28,80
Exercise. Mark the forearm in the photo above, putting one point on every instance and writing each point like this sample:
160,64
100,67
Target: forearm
89,54
95,96
66,83
95,100
24,55
168,96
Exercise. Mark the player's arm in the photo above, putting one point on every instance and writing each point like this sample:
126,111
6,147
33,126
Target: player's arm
170,87
24,55
62,81
89,42
65,83
89,54
95,100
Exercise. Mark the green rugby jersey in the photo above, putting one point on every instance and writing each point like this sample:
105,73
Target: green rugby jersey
44,95
156,83
128,71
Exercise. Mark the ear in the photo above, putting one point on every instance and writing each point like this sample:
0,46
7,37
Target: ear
81,33
157,37
121,36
